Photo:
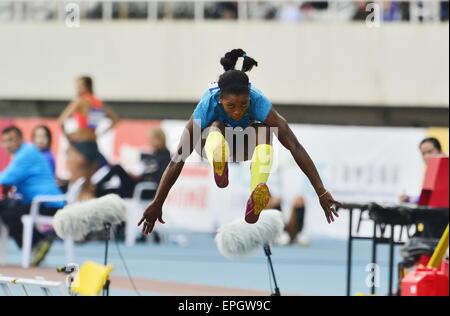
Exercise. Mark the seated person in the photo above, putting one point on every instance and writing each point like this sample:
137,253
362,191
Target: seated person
429,147
30,174
42,138
155,162
427,235
92,176
294,227
296,222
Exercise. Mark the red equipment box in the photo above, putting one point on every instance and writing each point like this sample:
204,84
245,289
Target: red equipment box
435,187
426,282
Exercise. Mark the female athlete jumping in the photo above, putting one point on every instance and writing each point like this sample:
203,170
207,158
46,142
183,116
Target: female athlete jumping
229,110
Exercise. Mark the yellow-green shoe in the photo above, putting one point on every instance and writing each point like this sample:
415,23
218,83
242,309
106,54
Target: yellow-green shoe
256,203
40,251
220,165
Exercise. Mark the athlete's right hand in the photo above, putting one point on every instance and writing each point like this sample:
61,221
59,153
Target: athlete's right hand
152,213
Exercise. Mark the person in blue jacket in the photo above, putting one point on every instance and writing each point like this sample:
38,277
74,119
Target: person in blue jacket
30,175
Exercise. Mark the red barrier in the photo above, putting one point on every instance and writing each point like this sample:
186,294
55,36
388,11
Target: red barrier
435,187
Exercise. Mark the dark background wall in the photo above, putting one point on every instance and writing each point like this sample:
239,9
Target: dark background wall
306,114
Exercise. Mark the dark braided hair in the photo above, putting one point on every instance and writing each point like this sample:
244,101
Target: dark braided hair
234,81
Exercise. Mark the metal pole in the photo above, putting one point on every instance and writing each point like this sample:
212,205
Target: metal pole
268,253
107,232
349,253
107,236
391,260
374,253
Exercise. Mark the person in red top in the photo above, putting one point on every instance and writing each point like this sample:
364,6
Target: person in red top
80,119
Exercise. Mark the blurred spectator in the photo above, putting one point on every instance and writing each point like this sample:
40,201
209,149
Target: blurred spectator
309,9
39,10
289,11
156,161
82,160
361,13
94,9
429,147
274,203
81,118
130,10
227,10
294,227
423,10
444,10
317,5
42,138
404,9
30,174
154,165
296,223
176,10
263,10
391,11
92,176
426,237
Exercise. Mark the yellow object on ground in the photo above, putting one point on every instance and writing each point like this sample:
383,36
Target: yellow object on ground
440,250
91,278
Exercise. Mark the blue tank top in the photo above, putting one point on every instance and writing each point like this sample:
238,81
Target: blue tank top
209,109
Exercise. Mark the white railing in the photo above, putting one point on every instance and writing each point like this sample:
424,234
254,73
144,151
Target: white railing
27,286
289,11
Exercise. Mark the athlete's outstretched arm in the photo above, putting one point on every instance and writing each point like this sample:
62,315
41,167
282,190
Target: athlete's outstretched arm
153,212
288,140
